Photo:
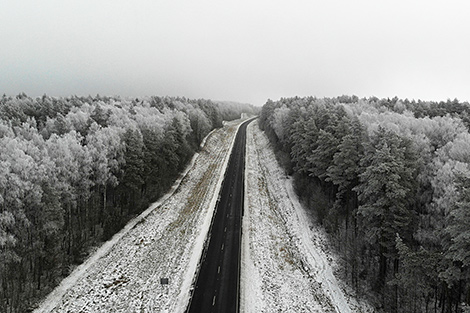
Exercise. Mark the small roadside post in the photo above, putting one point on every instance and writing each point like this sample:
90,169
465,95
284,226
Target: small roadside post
164,281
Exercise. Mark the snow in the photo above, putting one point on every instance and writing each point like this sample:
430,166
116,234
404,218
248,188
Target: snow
165,241
286,265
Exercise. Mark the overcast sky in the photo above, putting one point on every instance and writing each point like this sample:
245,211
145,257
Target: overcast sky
243,50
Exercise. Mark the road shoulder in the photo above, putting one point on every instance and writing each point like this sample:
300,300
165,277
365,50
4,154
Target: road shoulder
285,263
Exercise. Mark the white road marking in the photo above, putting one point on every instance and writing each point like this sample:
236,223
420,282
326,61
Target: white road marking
222,246
218,270
213,300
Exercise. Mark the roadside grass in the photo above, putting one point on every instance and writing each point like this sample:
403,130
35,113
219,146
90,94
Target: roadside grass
127,277
288,282
199,194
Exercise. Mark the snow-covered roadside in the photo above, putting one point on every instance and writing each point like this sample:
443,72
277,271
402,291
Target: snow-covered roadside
165,241
284,263
191,277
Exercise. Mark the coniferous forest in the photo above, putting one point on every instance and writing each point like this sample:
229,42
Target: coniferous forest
74,170
390,181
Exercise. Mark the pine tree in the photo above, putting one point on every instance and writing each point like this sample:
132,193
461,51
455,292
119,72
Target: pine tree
134,164
320,159
344,172
458,248
386,193
417,277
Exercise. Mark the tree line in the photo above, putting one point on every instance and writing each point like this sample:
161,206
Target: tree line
74,170
390,181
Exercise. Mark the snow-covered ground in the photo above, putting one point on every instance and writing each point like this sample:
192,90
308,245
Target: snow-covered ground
165,241
285,263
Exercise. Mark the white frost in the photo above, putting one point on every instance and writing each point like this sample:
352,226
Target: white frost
166,240
285,266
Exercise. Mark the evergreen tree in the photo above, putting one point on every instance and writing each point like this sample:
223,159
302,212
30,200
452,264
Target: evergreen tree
344,172
386,192
134,164
457,249
417,278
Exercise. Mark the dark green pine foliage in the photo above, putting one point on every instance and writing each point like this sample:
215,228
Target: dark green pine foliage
382,176
304,138
153,160
457,245
319,160
345,169
170,148
134,158
100,116
386,192
183,150
417,278
74,170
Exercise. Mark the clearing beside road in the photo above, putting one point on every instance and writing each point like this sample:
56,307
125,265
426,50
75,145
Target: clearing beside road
286,266
285,263
124,274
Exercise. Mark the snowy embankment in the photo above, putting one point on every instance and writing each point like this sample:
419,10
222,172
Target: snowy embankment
165,241
285,266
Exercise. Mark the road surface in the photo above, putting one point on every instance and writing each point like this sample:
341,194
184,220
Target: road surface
217,285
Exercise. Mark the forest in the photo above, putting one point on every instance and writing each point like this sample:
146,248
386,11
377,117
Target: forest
389,179
74,170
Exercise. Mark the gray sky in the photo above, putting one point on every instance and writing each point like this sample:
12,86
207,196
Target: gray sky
243,50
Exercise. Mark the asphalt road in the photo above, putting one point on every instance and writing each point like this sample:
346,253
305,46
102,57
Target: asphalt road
217,286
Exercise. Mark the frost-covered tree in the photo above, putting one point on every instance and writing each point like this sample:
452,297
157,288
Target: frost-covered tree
74,170
457,248
399,176
344,170
386,194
